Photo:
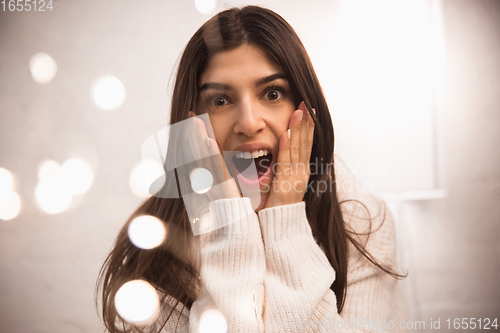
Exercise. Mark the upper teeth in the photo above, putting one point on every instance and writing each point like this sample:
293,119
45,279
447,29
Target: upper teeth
255,154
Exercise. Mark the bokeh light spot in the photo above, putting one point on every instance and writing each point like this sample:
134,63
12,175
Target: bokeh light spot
201,180
76,175
52,195
143,175
146,232
10,205
212,321
48,168
137,301
108,92
205,7
6,180
43,68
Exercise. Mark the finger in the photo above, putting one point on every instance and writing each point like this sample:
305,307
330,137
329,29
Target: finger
187,126
283,159
200,148
304,140
219,166
209,153
311,131
310,141
221,174
295,122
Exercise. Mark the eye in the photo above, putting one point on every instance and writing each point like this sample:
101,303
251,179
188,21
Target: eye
216,100
275,93
219,101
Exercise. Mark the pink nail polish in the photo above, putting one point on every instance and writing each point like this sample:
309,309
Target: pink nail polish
301,115
288,134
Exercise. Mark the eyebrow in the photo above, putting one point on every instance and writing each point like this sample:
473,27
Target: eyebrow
259,82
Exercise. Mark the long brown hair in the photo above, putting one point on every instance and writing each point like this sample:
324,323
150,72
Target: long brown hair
171,267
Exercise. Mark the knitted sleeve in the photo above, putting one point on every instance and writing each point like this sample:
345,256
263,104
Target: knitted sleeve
298,279
232,268
232,272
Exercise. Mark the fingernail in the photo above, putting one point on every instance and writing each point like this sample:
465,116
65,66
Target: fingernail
288,134
314,110
301,115
302,106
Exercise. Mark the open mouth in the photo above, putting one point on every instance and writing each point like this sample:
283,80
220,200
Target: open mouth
242,161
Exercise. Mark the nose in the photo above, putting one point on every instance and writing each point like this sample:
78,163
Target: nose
250,118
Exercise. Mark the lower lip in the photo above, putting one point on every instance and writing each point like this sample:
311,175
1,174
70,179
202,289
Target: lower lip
257,182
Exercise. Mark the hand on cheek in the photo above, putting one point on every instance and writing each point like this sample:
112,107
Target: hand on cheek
292,165
202,145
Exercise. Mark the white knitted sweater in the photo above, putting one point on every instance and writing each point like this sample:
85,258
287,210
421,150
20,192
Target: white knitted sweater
266,273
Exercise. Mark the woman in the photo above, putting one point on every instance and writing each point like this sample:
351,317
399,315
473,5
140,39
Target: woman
305,257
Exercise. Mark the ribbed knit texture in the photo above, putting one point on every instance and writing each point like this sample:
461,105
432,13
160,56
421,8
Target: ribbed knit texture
272,258
298,273
232,267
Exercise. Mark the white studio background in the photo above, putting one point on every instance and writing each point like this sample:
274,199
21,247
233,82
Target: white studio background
413,91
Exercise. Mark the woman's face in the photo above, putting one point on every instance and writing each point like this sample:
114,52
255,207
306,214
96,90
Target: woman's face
249,102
